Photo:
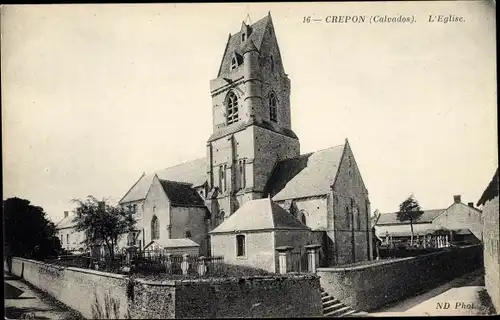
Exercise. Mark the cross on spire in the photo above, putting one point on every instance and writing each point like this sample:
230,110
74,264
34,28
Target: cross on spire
247,20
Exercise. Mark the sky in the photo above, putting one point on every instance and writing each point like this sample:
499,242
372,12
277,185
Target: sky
94,95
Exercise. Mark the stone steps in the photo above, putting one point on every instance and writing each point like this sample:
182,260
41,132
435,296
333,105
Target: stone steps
335,308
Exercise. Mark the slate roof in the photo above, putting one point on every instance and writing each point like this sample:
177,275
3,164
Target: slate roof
174,243
307,175
260,214
491,191
235,44
66,222
391,218
244,124
180,193
193,172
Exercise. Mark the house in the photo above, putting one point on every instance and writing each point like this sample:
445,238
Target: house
491,245
463,219
71,240
253,153
251,235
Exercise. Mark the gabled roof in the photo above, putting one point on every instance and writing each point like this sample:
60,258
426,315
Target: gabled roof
307,175
172,243
66,222
391,218
234,44
260,214
180,193
193,172
491,191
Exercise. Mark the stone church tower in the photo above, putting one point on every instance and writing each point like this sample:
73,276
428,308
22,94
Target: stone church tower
251,119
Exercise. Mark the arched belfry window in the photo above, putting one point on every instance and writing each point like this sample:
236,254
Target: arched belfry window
232,108
273,108
155,228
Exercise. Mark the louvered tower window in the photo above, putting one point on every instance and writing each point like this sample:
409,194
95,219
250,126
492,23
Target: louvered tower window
232,108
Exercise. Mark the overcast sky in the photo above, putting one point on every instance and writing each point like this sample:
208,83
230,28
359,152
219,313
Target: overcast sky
94,95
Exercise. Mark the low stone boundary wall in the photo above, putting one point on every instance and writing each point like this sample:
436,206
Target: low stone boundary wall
270,296
76,288
368,287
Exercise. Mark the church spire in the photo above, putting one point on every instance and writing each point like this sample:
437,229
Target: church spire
247,20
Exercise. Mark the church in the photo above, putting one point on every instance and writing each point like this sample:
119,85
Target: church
253,153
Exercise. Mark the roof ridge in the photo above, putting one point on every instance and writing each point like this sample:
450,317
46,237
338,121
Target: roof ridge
179,164
173,181
420,209
312,152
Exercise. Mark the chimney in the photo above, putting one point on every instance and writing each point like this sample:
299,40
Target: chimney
66,214
471,204
102,205
457,199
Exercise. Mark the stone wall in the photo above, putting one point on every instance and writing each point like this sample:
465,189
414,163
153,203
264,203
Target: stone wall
491,251
272,296
371,286
76,288
259,297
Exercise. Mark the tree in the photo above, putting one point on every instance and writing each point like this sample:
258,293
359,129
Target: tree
28,233
409,210
102,223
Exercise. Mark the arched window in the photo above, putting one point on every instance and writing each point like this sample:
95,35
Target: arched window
240,245
272,63
302,217
221,216
155,228
273,108
234,63
232,108
348,217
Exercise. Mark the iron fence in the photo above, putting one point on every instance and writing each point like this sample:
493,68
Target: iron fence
160,261
298,262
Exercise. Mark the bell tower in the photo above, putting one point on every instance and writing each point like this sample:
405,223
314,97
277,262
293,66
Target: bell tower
251,118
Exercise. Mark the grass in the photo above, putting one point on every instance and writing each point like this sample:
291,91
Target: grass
486,306
110,310
221,270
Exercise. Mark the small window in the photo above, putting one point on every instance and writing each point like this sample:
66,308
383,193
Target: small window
221,177
240,245
67,238
272,63
188,234
225,178
234,63
243,36
348,217
303,219
273,108
222,214
155,228
62,239
154,208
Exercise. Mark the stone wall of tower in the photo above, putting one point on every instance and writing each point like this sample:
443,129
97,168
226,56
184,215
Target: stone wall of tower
270,147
